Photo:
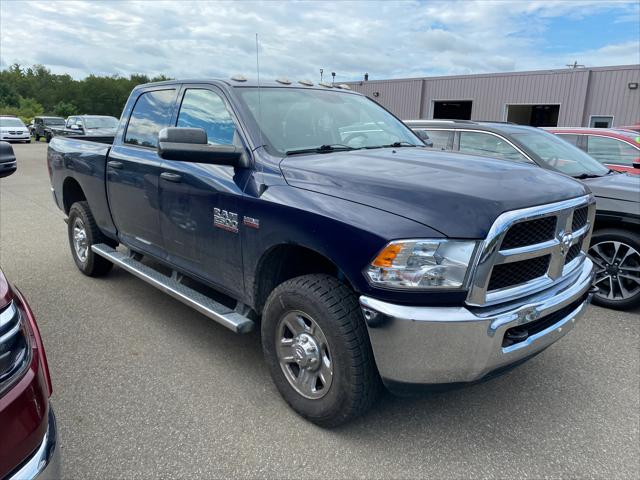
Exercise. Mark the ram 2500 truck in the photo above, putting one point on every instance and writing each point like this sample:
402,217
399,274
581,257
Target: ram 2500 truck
313,212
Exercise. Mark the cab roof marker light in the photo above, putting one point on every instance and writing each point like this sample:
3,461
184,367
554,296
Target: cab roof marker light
344,86
327,85
283,81
239,78
306,83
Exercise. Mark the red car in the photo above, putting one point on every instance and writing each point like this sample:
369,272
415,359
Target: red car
28,438
616,148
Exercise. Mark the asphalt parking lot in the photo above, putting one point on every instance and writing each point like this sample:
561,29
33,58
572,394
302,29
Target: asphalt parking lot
145,387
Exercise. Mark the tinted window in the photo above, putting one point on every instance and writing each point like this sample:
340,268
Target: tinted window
557,154
486,145
71,121
206,109
572,139
441,139
151,114
610,150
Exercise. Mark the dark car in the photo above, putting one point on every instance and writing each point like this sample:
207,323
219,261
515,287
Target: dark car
42,127
316,214
87,125
616,148
615,246
28,436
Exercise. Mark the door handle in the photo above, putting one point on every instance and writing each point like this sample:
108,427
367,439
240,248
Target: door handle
171,177
114,164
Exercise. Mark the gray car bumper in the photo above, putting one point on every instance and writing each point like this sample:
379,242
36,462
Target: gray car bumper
441,345
44,464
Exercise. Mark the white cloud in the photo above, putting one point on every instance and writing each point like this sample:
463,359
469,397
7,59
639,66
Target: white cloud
217,39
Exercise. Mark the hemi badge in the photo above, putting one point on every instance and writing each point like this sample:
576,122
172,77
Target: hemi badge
251,222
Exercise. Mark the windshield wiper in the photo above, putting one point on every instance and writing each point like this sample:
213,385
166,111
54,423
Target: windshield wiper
336,147
582,176
396,145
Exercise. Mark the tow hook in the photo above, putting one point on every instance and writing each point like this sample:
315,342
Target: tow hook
515,335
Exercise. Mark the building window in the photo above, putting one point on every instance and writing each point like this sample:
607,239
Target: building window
601,121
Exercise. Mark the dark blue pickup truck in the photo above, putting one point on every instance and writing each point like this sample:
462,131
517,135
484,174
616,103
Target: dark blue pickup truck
366,259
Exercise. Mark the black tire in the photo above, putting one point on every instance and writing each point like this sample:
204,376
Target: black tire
48,137
629,250
37,137
92,265
335,309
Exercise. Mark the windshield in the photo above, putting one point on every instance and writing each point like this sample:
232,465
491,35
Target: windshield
560,155
11,122
53,121
296,119
100,122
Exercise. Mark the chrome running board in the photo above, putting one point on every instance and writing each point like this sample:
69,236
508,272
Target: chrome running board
226,316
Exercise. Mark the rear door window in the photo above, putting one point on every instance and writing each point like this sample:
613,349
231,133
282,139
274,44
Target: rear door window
486,145
151,114
611,150
207,110
442,139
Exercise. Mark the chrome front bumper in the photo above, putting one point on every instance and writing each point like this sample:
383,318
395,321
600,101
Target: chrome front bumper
439,345
44,464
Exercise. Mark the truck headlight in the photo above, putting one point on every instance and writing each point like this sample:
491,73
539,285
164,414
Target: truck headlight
422,264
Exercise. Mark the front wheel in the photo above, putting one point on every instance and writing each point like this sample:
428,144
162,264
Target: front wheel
83,233
616,254
48,137
37,137
317,349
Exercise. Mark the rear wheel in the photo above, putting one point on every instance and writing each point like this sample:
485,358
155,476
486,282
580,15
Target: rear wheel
37,137
48,137
616,254
83,233
317,348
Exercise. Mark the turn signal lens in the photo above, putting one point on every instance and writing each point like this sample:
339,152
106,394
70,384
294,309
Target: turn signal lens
388,254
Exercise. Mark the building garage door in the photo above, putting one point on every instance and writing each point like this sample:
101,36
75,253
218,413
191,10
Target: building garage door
534,115
452,110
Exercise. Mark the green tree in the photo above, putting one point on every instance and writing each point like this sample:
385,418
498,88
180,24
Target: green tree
65,109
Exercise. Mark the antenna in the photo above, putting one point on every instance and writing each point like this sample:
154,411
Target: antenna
262,186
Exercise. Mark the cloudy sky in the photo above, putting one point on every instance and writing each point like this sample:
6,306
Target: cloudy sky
386,39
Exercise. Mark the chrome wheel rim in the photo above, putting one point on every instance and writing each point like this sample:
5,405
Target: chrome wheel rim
304,355
617,270
80,241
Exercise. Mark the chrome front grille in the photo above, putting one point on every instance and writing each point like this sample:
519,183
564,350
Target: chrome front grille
530,249
14,345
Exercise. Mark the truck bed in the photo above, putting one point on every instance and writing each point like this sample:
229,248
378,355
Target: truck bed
84,160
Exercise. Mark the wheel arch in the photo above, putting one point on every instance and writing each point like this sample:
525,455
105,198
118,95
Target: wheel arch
284,261
71,193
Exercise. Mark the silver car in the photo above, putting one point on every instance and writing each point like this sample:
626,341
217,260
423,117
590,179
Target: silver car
615,244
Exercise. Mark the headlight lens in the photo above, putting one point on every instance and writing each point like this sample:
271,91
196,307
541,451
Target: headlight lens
420,264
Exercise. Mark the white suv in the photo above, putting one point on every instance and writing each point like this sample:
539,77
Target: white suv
13,130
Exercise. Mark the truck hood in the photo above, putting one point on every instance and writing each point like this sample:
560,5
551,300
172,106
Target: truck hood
457,195
616,186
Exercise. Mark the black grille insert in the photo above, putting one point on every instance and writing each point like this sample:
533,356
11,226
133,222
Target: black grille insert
579,218
530,232
515,273
522,332
574,251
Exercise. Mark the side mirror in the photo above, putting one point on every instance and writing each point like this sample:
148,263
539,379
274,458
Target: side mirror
8,164
424,136
190,145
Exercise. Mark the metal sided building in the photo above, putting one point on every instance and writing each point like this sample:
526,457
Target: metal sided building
596,97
